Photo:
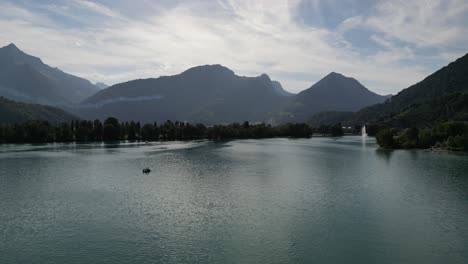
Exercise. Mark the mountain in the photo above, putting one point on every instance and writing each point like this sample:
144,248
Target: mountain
280,90
26,78
335,92
16,112
101,85
442,96
210,94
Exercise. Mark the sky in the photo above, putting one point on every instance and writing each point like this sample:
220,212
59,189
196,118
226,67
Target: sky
386,45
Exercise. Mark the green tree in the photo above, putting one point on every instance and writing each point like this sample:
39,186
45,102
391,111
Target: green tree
385,138
112,129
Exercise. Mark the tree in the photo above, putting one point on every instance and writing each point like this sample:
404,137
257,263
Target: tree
337,130
97,133
385,138
426,139
148,132
112,129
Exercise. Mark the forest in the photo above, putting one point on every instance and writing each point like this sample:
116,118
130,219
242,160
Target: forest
113,130
451,135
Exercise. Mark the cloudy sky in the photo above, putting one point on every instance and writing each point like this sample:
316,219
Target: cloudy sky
387,45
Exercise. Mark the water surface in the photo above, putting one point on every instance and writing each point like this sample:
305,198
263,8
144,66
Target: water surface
318,200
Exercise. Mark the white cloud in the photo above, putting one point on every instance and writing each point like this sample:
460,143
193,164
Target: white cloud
247,36
97,8
422,23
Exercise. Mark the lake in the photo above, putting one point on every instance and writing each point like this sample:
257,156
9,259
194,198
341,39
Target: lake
319,200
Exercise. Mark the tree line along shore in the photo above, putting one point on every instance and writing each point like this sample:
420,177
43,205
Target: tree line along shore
113,130
452,135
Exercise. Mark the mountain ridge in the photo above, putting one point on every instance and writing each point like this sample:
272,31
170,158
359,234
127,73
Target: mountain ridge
205,93
334,92
26,78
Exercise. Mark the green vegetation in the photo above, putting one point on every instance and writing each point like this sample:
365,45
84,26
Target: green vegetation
441,97
112,130
335,130
330,118
14,112
425,114
451,135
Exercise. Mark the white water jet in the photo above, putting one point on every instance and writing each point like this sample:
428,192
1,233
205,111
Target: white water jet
363,132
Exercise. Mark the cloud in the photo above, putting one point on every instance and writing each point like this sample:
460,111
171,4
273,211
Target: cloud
109,44
97,8
422,23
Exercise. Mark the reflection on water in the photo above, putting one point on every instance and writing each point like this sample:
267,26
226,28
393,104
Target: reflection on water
319,200
384,154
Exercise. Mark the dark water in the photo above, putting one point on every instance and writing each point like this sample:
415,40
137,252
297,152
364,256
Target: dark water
315,200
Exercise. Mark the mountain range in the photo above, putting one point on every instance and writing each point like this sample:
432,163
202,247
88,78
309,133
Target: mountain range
213,94
208,94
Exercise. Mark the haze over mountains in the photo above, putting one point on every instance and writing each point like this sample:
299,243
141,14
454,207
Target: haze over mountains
26,78
208,94
17,112
213,94
101,85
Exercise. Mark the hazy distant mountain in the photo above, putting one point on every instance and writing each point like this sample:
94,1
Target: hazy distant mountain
101,85
334,92
209,94
279,89
27,78
16,112
441,96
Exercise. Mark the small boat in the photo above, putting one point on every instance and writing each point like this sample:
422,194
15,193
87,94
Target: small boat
146,170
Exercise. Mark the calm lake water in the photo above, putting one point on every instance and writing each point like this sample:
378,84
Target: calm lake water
319,200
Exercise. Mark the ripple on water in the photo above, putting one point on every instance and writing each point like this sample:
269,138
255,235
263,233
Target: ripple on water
320,200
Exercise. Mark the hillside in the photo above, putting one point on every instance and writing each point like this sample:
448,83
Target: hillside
329,118
16,112
26,78
442,96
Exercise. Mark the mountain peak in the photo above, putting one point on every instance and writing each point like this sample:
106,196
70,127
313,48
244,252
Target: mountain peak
279,88
334,92
11,48
335,75
35,81
337,79
214,68
12,51
265,76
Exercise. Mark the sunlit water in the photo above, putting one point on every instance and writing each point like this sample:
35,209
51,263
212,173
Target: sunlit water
318,200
